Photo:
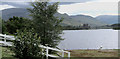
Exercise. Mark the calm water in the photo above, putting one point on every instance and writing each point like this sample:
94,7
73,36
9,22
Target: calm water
89,39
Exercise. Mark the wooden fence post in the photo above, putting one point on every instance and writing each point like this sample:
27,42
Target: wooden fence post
47,53
62,53
5,39
69,54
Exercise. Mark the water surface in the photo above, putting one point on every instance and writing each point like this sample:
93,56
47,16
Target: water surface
89,39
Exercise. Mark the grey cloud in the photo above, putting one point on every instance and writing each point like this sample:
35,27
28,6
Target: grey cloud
25,3
15,0
72,0
17,4
46,0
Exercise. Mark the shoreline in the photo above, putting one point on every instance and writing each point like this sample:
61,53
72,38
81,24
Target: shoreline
6,52
94,53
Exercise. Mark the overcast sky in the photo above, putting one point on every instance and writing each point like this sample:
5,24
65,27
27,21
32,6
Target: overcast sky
86,7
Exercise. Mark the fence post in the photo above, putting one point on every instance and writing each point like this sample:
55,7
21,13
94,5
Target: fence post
68,54
62,53
5,39
47,53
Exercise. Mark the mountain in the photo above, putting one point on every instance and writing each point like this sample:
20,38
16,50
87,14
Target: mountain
109,19
68,20
20,12
87,20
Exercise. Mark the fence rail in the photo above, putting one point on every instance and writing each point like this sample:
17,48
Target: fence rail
49,48
4,38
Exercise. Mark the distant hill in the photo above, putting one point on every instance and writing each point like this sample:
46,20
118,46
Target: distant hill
68,20
87,20
20,12
109,19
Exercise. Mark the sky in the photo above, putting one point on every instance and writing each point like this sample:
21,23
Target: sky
86,7
90,8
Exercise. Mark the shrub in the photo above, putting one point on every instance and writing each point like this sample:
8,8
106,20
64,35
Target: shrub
27,44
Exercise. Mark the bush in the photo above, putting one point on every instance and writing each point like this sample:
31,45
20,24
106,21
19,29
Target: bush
27,44
15,23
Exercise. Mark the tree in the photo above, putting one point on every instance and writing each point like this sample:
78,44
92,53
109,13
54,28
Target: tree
4,29
16,23
0,25
45,23
26,44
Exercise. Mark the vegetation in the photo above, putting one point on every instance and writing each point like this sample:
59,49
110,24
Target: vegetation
94,53
42,29
45,23
74,53
116,26
7,52
27,44
14,24
0,25
85,26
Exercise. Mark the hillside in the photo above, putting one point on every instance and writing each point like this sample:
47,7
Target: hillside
109,19
20,12
68,20
87,20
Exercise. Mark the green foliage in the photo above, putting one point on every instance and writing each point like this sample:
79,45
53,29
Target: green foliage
27,44
46,25
0,25
15,23
76,27
4,28
116,26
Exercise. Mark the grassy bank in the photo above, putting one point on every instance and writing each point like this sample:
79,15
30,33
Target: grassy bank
6,52
94,53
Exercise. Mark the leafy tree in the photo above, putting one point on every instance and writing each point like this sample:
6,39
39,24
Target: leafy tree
45,23
27,44
4,29
0,25
16,23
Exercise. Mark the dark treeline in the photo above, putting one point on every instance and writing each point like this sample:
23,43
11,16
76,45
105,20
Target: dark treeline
116,26
83,27
112,26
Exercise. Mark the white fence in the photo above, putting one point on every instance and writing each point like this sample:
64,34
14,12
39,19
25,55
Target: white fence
49,48
4,38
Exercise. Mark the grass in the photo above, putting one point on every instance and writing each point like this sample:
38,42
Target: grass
94,53
6,52
0,52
